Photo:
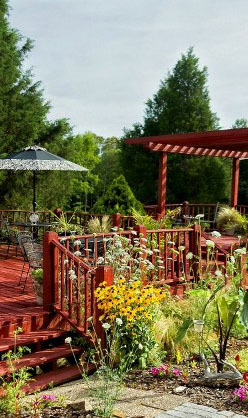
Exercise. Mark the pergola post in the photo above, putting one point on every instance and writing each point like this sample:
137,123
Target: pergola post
162,183
235,182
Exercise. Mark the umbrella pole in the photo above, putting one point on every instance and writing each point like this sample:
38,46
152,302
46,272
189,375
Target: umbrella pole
34,191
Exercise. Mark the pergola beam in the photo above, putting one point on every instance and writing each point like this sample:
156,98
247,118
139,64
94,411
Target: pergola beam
177,149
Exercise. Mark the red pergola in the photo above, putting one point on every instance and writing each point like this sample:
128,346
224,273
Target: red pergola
230,143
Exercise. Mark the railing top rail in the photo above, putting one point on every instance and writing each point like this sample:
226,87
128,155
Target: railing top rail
101,234
71,255
170,230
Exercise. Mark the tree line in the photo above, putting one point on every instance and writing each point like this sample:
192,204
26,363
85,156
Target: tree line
119,176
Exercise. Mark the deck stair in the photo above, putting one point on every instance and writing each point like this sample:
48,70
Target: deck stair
47,348
218,259
50,360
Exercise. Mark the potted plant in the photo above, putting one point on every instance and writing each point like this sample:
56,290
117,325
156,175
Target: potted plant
66,228
229,221
37,276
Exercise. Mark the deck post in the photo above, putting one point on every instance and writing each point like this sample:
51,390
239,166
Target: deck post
185,211
162,184
50,270
103,274
141,231
235,182
116,220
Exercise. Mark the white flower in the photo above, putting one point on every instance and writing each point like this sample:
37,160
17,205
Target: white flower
210,243
77,253
216,234
240,251
66,261
189,256
181,247
77,242
140,346
90,319
232,259
106,325
134,232
199,216
218,273
68,340
118,321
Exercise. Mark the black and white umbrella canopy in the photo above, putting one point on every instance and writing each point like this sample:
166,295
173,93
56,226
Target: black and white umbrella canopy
35,159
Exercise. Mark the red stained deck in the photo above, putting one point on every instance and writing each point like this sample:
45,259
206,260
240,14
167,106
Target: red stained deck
226,242
16,306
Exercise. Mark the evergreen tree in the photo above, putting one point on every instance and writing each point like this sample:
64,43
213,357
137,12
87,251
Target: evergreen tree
182,104
23,121
118,198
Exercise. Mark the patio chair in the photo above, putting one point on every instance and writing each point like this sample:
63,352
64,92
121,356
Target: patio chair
23,236
33,254
11,238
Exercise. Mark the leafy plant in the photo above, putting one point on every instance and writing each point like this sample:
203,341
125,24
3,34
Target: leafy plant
150,223
12,385
98,225
228,218
108,386
38,275
64,226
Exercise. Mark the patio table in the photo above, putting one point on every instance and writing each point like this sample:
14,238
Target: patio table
33,226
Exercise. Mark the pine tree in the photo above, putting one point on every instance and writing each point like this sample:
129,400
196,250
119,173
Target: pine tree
182,104
23,121
118,198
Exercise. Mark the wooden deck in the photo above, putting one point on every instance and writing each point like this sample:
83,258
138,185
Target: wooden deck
16,306
226,242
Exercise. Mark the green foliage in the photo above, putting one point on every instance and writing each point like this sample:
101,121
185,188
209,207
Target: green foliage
230,218
182,104
118,198
38,275
97,225
151,223
12,385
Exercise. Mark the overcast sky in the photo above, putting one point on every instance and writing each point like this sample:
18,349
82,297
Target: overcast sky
100,60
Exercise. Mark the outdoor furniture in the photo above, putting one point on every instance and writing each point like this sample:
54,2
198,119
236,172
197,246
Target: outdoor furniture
36,159
11,238
34,227
32,254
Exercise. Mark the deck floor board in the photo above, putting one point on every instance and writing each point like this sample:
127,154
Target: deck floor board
14,303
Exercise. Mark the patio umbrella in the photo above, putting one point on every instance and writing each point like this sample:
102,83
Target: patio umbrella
34,159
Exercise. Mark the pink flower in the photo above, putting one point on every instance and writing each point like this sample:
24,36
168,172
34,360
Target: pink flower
241,393
176,372
48,398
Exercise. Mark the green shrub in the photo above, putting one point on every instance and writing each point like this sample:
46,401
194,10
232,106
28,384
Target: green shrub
118,198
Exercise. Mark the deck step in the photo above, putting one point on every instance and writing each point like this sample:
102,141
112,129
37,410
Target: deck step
30,338
54,378
40,357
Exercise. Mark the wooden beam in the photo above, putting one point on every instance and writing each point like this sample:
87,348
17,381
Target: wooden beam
198,151
162,183
235,182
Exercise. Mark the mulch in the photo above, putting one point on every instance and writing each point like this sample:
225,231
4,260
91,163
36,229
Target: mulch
219,397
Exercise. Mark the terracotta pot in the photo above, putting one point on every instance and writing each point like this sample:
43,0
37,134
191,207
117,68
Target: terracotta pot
38,287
